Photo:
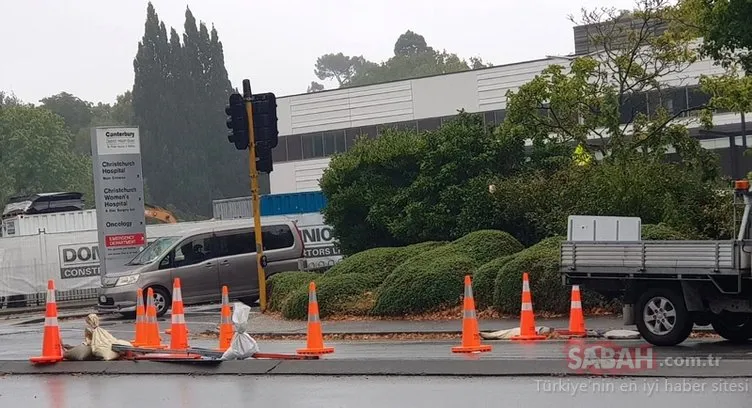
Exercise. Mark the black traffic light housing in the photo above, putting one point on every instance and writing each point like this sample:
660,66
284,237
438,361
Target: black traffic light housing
265,131
237,122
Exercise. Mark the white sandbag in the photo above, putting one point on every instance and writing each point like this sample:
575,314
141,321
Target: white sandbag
101,340
506,334
242,345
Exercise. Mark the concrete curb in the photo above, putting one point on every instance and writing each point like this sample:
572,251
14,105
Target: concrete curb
34,320
365,367
60,306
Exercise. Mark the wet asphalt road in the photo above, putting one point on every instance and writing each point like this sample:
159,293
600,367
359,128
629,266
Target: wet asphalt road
366,392
19,342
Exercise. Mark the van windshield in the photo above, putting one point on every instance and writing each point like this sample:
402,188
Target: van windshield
153,251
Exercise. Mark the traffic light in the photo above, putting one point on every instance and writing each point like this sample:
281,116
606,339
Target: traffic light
237,122
265,130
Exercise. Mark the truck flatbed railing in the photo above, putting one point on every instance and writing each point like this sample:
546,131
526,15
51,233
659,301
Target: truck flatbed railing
651,257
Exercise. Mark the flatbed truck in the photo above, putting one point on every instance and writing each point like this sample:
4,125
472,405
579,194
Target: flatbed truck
668,287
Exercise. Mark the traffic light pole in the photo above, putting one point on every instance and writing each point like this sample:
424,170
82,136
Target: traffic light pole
248,96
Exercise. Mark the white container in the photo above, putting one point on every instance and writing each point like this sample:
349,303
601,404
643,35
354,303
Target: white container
604,229
33,224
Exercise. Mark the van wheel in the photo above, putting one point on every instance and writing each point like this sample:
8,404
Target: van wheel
662,317
161,300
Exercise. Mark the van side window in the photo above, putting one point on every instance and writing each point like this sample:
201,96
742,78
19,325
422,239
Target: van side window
277,237
237,244
194,251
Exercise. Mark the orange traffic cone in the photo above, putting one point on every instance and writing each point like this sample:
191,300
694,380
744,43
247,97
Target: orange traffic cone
141,336
178,329
225,324
52,346
470,332
576,317
153,340
314,338
527,317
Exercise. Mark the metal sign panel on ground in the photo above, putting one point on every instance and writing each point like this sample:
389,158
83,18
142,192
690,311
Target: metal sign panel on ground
119,191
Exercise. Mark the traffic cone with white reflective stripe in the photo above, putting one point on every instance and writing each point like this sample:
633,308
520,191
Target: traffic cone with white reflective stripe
576,317
470,331
527,317
178,329
153,340
225,324
52,345
314,338
141,337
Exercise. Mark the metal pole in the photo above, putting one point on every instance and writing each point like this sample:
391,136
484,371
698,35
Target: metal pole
247,95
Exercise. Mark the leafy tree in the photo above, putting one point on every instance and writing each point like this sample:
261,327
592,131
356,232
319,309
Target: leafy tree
726,36
535,205
413,57
76,112
360,184
36,154
411,44
7,99
724,27
449,197
407,187
589,103
340,67
315,87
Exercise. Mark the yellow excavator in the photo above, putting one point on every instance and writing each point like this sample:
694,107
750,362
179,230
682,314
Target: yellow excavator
159,214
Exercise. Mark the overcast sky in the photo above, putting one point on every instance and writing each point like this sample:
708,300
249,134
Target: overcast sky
86,47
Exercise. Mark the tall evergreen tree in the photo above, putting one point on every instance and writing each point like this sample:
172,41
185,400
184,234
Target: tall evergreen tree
179,97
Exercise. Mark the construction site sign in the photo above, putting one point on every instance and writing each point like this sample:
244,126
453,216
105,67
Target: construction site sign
119,195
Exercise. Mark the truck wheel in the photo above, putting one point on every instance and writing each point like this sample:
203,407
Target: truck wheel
662,317
734,327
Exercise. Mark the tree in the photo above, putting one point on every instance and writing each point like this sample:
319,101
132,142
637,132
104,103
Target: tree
36,155
360,183
724,27
591,103
449,196
411,44
407,187
340,67
76,112
315,87
413,57
179,94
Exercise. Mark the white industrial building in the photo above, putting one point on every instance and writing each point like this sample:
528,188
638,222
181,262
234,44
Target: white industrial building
314,126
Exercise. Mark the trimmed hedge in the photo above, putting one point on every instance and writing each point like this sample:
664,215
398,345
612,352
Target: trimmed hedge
487,245
484,279
541,262
335,294
366,270
424,287
280,285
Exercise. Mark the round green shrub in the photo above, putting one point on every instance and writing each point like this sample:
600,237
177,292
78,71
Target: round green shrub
487,245
484,279
280,285
334,295
373,260
380,261
661,232
424,287
541,262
